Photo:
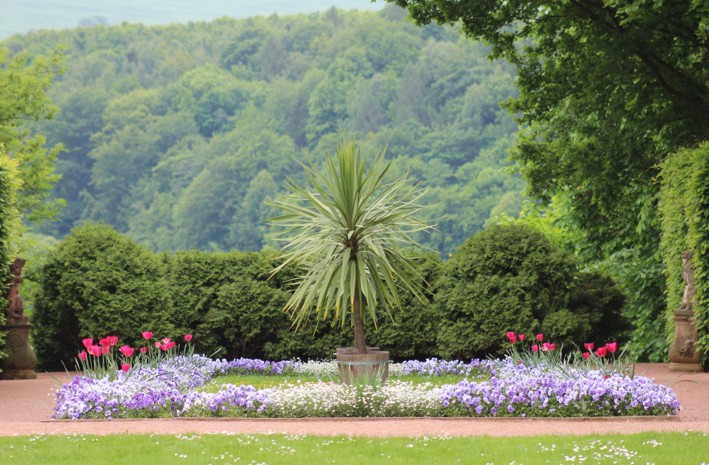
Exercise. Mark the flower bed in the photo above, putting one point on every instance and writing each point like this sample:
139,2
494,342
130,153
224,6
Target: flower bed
491,388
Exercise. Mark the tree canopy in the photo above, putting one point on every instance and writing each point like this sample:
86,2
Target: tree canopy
177,135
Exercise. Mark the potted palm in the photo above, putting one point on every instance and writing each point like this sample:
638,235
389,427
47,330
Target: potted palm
349,231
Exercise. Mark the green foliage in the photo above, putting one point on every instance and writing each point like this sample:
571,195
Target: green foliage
347,231
23,86
177,134
607,90
684,206
512,278
9,219
227,301
94,283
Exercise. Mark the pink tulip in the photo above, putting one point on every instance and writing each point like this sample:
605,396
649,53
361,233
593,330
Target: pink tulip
188,337
511,336
165,340
612,347
105,342
112,340
601,352
540,337
127,351
88,342
521,337
589,346
157,344
535,348
171,344
96,351
125,367
144,350
164,347
586,355
147,335
105,350
551,346
82,355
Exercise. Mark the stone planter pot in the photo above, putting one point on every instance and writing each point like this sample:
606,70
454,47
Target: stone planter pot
369,368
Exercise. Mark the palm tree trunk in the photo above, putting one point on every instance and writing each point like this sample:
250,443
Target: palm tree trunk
359,343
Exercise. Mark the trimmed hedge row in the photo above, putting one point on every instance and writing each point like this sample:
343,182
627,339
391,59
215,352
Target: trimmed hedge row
684,208
98,282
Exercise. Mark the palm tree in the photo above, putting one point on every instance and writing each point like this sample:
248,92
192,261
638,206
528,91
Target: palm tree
349,232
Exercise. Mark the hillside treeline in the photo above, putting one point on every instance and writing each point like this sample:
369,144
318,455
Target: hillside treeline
179,135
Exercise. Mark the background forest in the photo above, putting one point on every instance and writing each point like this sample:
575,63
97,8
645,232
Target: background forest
178,135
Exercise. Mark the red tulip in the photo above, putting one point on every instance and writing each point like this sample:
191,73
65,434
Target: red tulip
147,335
589,346
612,347
540,337
586,355
164,347
551,346
127,351
112,340
188,337
601,352
96,351
170,344
82,355
105,342
144,350
88,342
125,367
511,336
535,348
105,350
521,337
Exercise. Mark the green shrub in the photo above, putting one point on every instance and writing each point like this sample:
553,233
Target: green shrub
684,207
94,283
504,278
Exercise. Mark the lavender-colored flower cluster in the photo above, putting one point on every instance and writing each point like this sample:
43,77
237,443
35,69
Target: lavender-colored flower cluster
254,366
492,388
521,391
152,391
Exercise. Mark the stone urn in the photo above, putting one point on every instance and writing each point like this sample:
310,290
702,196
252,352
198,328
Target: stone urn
368,368
684,355
21,361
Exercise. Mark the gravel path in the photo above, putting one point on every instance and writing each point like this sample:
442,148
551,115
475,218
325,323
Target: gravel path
26,408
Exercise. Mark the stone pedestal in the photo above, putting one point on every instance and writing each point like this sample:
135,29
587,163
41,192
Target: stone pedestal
21,361
683,354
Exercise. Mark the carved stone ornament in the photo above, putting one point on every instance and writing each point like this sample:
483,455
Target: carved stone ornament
683,353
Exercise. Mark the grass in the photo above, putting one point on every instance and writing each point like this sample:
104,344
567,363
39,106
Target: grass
261,381
645,448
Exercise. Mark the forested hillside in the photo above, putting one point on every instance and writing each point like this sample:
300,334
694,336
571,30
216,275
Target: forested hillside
178,135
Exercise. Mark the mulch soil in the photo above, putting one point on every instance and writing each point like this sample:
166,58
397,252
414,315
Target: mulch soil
26,409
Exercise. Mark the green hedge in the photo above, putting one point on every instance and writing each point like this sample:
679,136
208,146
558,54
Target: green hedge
98,282
684,207
512,278
10,229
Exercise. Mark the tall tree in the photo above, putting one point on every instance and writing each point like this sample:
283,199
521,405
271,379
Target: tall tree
348,231
23,98
608,89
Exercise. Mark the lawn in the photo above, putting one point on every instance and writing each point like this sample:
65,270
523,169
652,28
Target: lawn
195,449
